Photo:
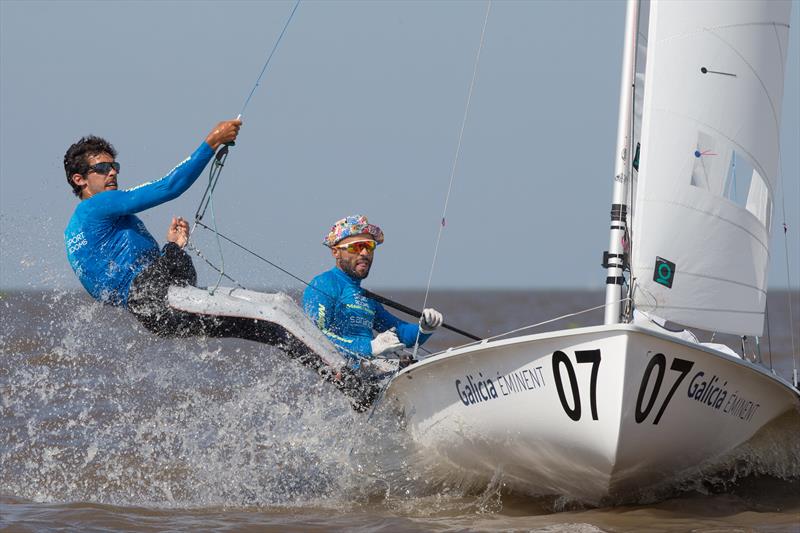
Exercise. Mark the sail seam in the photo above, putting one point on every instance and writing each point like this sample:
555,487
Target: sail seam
715,278
756,163
775,118
704,309
732,223
714,28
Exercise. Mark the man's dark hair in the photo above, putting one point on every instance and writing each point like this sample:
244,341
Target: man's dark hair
76,160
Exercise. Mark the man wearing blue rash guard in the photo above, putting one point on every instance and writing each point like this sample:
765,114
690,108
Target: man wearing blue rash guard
114,256
119,262
335,301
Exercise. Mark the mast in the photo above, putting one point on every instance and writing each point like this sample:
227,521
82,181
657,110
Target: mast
614,259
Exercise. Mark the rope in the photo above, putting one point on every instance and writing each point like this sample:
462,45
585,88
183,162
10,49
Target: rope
212,265
269,58
207,201
367,293
769,334
785,226
788,275
216,169
553,320
220,235
487,339
788,279
453,170
789,286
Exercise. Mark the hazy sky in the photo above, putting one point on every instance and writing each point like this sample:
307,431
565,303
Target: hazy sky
358,113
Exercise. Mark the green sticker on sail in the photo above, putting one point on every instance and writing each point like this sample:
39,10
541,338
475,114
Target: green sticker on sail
664,272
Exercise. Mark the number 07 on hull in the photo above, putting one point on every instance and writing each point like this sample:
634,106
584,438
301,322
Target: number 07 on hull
591,412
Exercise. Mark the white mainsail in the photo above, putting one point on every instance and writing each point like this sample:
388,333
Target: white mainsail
709,161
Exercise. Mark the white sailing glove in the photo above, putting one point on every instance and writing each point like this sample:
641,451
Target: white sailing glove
430,320
386,342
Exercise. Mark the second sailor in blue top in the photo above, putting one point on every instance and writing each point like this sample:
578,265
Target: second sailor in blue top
336,303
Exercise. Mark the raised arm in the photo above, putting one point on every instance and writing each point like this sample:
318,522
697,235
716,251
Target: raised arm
175,183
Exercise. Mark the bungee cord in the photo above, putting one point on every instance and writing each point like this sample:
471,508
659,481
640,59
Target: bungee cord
453,170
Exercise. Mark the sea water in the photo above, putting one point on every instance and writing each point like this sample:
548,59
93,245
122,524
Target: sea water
105,426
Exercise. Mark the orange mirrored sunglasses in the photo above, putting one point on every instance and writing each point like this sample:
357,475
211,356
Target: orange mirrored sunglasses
357,246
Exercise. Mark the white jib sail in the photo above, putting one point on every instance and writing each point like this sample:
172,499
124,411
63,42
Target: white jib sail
709,161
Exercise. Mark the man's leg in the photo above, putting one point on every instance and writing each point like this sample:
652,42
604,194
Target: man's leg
147,300
149,304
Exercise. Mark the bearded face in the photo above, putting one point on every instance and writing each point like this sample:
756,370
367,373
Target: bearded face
354,255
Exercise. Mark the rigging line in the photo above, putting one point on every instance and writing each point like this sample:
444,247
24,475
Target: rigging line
455,165
219,163
301,280
788,277
205,202
222,154
785,226
211,291
487,339
769,335
213,176
199,254
382,299
269,58
554,320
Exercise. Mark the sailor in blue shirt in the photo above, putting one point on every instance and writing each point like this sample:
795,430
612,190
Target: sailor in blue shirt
335,301
119,262
106,243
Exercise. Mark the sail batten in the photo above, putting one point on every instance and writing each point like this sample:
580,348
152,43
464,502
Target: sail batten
709,161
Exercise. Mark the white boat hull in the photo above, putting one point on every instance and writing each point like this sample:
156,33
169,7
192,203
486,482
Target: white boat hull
531,409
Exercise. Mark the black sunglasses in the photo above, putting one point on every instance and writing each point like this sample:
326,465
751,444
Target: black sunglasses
104,168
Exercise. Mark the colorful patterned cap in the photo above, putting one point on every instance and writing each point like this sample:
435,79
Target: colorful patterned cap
349,226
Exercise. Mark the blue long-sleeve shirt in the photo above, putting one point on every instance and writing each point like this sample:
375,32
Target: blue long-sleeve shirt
107,245
336,303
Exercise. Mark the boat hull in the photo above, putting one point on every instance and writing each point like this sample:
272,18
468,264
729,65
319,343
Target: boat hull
588,413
